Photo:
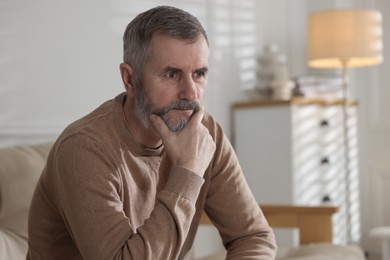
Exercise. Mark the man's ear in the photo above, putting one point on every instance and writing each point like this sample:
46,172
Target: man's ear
127,74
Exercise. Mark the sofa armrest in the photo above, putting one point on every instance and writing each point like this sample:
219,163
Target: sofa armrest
20,168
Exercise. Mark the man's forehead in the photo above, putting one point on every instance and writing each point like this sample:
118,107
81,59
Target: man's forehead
173,52
163,34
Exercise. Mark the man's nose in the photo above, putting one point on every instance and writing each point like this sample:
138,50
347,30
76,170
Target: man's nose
188,89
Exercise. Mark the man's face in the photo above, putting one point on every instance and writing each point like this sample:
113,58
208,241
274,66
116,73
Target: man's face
175,78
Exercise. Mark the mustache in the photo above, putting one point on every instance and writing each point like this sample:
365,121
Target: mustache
180,104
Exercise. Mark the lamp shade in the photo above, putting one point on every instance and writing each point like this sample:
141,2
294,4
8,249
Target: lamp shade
344,38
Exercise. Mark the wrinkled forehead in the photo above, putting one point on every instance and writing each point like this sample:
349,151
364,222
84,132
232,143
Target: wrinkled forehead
165,48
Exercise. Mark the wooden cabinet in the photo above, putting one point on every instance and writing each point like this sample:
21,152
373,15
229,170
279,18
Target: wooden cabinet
293,152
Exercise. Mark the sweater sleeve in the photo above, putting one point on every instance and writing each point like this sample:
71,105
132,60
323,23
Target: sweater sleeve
90,204
233,209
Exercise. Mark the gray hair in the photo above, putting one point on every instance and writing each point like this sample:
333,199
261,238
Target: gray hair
162,19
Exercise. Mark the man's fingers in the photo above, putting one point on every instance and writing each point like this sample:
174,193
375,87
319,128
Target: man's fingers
162,129
198,116
159,126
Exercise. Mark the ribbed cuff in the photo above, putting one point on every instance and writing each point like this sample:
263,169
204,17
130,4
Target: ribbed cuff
184,182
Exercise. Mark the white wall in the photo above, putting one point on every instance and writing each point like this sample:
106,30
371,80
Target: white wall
58,60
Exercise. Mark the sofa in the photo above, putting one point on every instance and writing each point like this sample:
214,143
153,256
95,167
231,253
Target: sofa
20,168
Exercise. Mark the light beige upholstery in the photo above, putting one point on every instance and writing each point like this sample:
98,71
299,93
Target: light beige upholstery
20,168
315,251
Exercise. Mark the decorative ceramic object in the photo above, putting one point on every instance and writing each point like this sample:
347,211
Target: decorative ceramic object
272,75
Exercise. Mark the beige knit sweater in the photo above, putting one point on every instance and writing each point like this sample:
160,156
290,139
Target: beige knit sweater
104,196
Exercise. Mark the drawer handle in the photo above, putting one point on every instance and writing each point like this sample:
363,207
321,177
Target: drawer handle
324,123
326,199
325,160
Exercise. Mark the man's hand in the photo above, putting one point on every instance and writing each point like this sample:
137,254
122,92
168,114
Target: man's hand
192,147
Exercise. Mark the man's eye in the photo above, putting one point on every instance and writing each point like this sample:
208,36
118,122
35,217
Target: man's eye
199,74
171,74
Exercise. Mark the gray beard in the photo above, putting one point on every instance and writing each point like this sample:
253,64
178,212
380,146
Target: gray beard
144,109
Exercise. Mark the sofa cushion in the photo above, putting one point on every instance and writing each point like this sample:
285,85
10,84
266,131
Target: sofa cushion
20,168
323,251
316,251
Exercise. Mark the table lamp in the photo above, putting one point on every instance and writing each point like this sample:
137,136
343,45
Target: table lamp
342,39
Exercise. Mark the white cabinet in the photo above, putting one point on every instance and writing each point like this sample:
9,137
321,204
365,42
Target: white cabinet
293,152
